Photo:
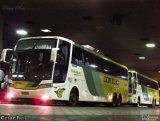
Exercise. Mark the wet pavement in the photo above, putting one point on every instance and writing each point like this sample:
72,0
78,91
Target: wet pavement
16,112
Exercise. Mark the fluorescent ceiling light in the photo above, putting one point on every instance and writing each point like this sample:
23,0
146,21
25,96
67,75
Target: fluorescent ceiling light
142,58
21,32
45,30
150,45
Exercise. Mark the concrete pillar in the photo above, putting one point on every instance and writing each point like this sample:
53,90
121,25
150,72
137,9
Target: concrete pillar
1,32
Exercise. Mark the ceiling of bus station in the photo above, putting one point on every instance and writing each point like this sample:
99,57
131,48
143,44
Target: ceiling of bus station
118,28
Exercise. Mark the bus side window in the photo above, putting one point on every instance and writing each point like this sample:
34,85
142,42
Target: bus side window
89,60
9,55
115,70
99,63
61,58
77,56
64,51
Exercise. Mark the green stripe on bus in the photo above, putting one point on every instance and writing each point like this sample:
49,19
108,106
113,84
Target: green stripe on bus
89,81
97,82
145,93
30,84
33,84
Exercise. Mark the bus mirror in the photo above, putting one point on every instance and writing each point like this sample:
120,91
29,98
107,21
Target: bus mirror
54,54
6,55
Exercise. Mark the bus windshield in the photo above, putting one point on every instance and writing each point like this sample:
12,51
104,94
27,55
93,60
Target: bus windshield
32,65
29,44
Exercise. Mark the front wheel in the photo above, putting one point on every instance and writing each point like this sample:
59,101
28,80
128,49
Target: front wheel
73,98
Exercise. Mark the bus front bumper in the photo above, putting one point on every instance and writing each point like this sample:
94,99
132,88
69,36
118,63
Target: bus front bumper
38,94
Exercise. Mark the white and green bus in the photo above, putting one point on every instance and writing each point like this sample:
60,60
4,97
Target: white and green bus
142,89
159,92
5,59
56,68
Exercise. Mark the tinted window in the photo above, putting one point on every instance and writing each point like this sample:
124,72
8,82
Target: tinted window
89,60
104,66
36,44
97,63
8,55
115,70
146,82
77,57
129,75
33,65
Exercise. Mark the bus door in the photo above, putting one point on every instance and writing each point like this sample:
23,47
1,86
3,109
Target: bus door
133,82
62,62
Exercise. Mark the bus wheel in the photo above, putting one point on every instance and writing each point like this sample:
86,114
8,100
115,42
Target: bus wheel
73,98
119,101
138,102
153,103
114,100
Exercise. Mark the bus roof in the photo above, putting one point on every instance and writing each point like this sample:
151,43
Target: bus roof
50,37
144,76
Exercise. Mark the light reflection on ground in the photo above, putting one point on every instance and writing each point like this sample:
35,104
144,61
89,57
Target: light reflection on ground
83,113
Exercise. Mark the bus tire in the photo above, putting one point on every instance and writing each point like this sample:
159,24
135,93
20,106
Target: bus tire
73,98
119,100
114,100
153,103
138,102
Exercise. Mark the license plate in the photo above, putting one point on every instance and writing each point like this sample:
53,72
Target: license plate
25,93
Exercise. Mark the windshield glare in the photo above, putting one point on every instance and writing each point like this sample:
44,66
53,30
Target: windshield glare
32,65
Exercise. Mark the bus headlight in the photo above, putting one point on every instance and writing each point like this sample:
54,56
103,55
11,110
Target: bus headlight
45,97
10,95
45,85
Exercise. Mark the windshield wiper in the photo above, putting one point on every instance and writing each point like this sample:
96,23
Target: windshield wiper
34,46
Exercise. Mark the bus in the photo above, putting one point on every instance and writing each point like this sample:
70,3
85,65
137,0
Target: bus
159,92
4,67
5,58
142,89
56,68
6,55
159,96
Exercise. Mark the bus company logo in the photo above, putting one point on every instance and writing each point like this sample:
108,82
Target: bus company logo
111,80
59,92
76,73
